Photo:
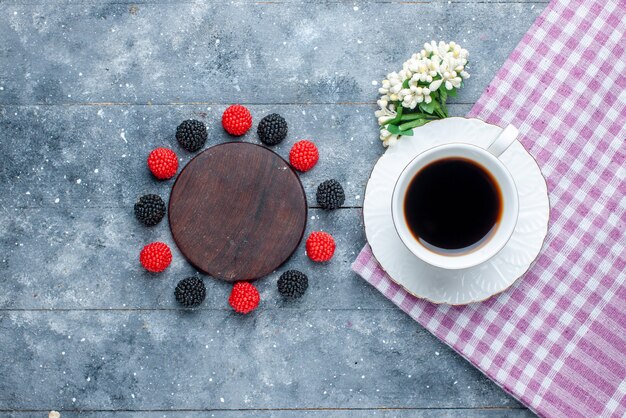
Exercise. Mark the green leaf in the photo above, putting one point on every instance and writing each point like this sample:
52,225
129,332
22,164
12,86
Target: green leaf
444,108
444,95
428,107
451,93
439,110
393,129
405,84
413,116
413,124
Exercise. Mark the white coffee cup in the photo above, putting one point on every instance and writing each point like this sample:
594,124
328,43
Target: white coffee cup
488,160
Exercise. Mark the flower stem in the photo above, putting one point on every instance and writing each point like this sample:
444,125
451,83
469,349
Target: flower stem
413,116
398,117
412,124
440,110
444,108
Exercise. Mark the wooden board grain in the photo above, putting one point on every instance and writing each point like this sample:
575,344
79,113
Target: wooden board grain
237,211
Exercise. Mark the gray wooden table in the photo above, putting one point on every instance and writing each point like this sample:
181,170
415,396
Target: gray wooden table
88,88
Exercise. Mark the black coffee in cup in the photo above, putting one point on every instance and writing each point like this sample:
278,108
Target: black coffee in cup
452,205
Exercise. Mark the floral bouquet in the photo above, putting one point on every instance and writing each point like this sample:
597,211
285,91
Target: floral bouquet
417,94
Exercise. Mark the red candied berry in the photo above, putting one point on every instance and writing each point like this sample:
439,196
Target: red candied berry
155,257
320,246
303,155
163,163
244,298
236,120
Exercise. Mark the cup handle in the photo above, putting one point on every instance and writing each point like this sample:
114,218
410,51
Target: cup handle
503,141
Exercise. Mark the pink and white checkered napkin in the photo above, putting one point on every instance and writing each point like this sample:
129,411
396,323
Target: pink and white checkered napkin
556,340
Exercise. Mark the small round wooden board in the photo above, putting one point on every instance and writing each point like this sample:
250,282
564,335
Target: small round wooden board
237,211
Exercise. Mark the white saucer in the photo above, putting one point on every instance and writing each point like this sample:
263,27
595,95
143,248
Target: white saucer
456,287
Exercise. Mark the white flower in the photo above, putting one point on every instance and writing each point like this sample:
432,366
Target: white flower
438,64
387,137
435,85
415,94
391,86
447,61
448,72
394,86
394,78
385,114
391,140
420,70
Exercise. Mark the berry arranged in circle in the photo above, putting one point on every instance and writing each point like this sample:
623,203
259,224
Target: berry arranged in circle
191,134
163,163
150,209
320,246
293,284
303,155
272,129
244,297
236,120
330,195
190,292
155,257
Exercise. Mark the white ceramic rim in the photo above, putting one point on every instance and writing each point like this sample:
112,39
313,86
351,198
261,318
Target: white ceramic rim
456,287
504,230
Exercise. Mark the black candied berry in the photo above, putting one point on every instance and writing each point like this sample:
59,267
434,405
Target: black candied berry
293,284
190,292
330,195
191,134
272,129
150,209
